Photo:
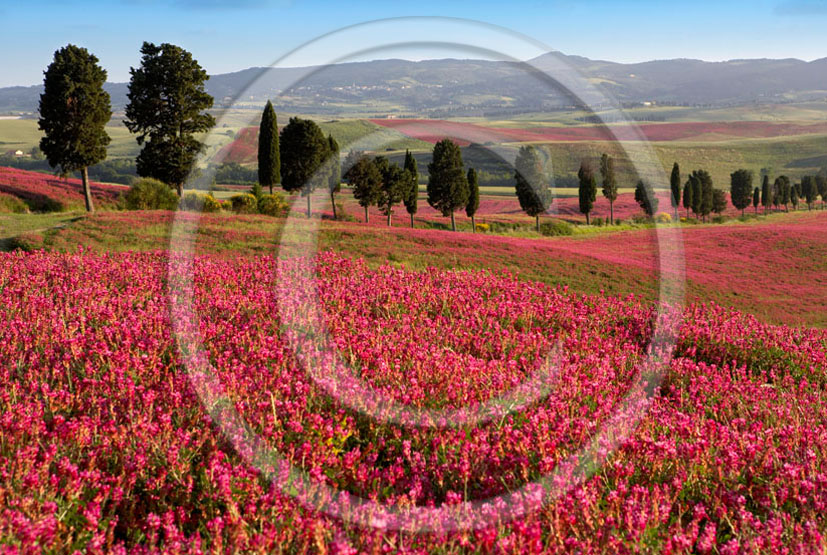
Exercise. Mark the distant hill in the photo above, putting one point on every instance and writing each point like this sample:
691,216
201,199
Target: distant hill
440,88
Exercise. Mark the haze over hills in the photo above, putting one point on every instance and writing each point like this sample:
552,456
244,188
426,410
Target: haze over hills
445,87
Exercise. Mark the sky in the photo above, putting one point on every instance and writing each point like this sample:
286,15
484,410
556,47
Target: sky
227,36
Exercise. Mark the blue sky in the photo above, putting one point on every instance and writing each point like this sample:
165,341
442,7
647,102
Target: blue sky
231,35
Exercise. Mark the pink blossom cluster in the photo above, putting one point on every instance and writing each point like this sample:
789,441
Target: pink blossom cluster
105,444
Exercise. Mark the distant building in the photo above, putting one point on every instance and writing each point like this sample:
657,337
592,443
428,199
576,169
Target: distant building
18,153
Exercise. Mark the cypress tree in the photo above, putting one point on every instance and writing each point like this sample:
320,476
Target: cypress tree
531,183
719,201
473,197
821,188
607,172
303,150
587,191
697,194
808,190
412,198
707,193
687,195
794,196
782,184
741,189
447,183
766,201
167,105
74,110
334,172
646,199
269,164
366,181
395,185
675,186
756,198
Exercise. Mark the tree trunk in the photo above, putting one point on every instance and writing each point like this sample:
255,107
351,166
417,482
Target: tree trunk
453,222
588,220
87,191
537,222
612,212
366,215
389,216
180,188
333,203
473,224
412,223
308,206
271,188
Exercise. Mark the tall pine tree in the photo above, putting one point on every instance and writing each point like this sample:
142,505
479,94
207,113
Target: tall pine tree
532,183
688,189
74,110
303,151
766,199
740,191
607,172
167,106
587,191
365,180
447,183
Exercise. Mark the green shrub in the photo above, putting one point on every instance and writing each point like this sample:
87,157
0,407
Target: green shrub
150,194
555,228
195,201
271,205
244,204
26,242
12,204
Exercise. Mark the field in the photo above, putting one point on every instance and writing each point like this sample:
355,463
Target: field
100,411
467,133
335,386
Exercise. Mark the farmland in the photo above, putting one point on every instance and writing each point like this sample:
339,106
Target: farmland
345,387
98,412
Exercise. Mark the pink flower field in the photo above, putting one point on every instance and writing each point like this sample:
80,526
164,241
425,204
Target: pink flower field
109,443
54,192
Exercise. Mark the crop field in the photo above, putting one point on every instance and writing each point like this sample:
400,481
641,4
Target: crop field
467,133
99,411
335,386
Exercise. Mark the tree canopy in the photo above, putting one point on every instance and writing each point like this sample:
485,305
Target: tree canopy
447,182
167,104
587,192
740,191
269,162
74,110
532,183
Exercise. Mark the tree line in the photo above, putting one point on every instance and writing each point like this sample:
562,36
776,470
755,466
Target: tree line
168,107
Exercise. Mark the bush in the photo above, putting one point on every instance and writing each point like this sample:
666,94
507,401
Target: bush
12,204
270,205
663,218
555,228
600,222
482,227
26,242
196,201
244,204
150,194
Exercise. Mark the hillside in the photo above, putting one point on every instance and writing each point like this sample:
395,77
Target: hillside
479,87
